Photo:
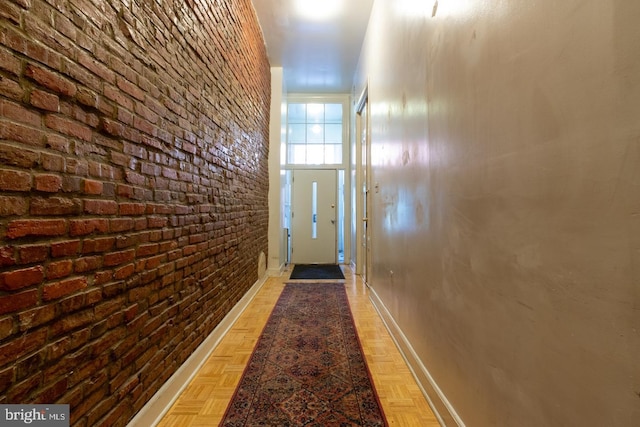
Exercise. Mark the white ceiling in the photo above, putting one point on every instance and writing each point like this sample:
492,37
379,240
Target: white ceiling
316,56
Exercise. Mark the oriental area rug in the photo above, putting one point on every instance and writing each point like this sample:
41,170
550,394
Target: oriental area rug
307,368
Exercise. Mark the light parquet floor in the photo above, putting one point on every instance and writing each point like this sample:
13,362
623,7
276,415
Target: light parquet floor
204,401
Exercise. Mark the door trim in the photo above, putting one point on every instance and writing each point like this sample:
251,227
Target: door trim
362,187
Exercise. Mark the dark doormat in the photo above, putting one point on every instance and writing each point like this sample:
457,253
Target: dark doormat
316,271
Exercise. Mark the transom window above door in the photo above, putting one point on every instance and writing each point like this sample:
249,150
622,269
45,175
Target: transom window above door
314,134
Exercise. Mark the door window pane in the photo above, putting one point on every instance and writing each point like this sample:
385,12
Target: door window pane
297,154
297,134
315,134
333,154
315,154
297,113
333,113
315,113
333,133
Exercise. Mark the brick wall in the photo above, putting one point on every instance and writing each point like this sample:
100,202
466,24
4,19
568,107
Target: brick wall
133,192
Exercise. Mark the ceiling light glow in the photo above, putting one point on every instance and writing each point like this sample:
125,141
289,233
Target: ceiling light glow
318,9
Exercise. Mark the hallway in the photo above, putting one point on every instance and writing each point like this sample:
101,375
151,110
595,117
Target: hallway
205,400
491,161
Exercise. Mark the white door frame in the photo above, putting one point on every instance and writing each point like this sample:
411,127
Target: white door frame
363,186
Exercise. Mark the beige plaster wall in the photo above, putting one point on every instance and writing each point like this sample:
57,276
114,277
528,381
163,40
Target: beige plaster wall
506,219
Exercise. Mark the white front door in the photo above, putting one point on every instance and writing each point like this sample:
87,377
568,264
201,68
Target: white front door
313,217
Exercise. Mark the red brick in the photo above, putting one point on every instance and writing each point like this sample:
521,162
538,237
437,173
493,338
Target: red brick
65,287
135,178
59,269
106,308
118,225
128,87
77,167
18,279
18,113
45,100
21,346
6,329
36,227
96,416
128,386
92,187
21,391
9,62
83,227
132,208
10,206
96,67
115,95
102,277
16,302
87,97
93,296
101,207
20,133
7,256
58,143
152,141
53,162
13,39
112,127
11,89
150,169
98,245
85,264
144,126
54,206
125,116
12,180
116,258
36,317
131,312
125,191
154,262
52,393
124,272
157,222
47,183
130,240
51,80
148,249
64,26
189,148
66,248
169,173
30,254
68,127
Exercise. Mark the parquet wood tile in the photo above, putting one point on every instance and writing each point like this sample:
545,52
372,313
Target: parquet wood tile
204,401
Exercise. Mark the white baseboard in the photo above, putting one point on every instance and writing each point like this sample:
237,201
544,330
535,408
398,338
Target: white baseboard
151,413
441,407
